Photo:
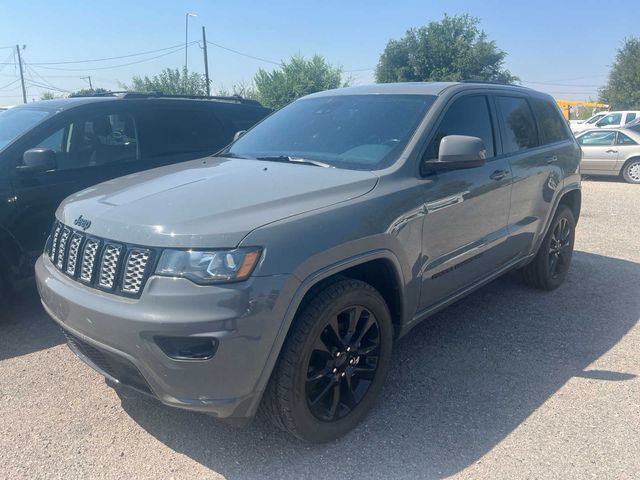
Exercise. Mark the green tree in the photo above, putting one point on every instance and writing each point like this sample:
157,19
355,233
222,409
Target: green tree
622,91
297,78
170,82
452,49
87,92
48,95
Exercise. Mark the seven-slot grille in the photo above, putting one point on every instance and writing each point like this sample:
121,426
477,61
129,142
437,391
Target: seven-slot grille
99,263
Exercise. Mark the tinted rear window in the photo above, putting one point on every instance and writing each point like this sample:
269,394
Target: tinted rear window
520,131
552,125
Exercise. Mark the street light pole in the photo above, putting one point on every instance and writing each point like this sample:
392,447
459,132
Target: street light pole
186,37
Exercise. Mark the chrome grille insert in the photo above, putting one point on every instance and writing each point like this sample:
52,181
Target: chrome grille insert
74,248
54,242
62,247
136,265
89,260
109,265
100,263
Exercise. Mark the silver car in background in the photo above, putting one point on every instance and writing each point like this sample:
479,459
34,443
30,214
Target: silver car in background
611,152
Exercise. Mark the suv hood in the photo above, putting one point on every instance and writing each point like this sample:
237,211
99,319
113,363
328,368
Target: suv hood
206,203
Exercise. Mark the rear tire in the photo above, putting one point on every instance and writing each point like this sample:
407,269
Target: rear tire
550,266
333,363
631,171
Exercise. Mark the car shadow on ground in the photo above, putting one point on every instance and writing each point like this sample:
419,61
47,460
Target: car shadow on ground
25,327
459,384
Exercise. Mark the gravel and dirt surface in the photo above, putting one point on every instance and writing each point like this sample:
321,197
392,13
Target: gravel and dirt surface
508,383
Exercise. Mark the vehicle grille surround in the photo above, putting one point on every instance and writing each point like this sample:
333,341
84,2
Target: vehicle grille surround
100,263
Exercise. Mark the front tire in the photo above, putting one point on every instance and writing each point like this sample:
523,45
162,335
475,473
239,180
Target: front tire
631,171
550,266
333,363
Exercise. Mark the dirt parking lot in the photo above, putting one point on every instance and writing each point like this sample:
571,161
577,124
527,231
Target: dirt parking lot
508,383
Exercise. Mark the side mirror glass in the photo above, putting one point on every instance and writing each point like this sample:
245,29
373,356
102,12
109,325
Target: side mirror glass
38,160
456,152
238,134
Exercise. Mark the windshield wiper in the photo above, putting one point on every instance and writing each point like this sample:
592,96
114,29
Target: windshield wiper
300,160
229,155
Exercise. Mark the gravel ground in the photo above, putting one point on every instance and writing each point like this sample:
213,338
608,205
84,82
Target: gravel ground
508,383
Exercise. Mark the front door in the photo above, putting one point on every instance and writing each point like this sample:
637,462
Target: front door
465,229
90,148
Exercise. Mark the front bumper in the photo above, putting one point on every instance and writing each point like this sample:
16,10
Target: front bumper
115,335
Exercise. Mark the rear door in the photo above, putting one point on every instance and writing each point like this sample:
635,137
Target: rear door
537,161
627,148
599,151
465,228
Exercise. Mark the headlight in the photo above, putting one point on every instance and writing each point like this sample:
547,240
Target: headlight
207,267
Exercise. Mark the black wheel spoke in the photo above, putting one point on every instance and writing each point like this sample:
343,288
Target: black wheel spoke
369,323
321,346
553,264
319,375
354,318
350,397
335,401
323,392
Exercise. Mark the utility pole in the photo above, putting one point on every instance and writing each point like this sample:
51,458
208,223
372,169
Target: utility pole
88,77
206,61
24,92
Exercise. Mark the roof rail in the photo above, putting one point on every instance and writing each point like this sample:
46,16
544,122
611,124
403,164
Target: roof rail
492,82
133,94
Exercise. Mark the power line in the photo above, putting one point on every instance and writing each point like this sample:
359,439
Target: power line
244,54
112,66
9,84
110,58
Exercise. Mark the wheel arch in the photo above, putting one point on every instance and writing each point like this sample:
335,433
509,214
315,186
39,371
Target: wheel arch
362,267
573,200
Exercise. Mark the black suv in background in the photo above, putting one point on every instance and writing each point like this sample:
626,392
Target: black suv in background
51,149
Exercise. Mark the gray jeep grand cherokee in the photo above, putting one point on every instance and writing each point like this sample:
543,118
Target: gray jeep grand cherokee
275,275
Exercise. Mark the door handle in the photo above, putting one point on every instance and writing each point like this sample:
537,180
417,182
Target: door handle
612,151
498,175
551,159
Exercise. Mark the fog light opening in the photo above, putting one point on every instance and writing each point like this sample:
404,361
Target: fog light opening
187,348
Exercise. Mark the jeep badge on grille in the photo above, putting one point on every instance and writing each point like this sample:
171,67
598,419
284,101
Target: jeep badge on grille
83,223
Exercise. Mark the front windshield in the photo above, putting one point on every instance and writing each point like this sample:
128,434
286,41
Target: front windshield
362,132
16,121
595,118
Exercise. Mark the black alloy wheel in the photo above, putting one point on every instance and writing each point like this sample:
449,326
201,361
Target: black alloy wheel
560,248
343,363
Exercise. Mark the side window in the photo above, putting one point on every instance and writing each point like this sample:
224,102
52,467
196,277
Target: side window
520,131
552,125
94,141
624,140
54,142
630,117
611,119
466,116
168,131
597,139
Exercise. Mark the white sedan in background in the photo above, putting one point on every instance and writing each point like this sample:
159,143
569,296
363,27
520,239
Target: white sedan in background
611,152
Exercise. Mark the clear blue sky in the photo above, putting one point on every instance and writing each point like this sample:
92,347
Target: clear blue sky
566,46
